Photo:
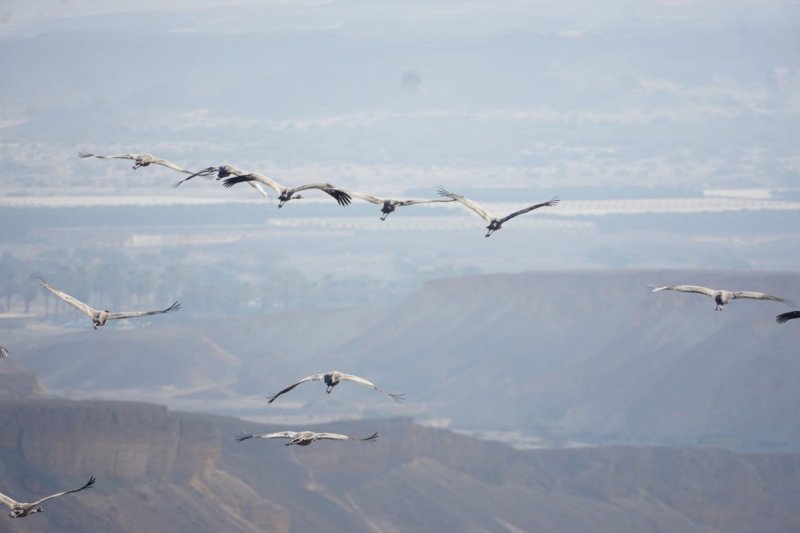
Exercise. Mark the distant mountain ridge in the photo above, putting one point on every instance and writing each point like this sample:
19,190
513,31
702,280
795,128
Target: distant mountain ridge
588,356
598,357
159,470
18,382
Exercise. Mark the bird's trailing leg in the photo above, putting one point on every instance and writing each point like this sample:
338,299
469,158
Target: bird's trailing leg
492,227
387,209
282,199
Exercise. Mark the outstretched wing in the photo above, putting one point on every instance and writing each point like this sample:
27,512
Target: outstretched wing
759,296
338,436
785,317
3,352
549,203
484,214
280,435
362,381
341,197
370,438
687,288
314,377
90,483
254,177
366,197
10,502
208,171
332,436
84,155
74,302
133,314
256,184
431,201
260,188
170,165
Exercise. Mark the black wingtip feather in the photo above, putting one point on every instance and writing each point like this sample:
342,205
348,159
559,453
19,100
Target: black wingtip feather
83,155
230,182
204,172
371,438
342,198
785,317
243,436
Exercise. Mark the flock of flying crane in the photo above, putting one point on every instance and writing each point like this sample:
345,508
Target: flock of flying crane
232,176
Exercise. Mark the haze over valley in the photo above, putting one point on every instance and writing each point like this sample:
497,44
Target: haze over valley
546,387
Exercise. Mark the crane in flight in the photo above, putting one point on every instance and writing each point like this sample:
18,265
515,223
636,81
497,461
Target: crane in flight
224,171
289,193
720,296
389,205
22,509
303,438
333,378
140,160
495,223
98,317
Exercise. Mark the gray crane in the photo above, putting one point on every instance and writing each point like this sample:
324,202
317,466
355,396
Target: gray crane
333,378
99,318
303,438
21,509
140,160
495,223
223,171
389,205
289,193
721,297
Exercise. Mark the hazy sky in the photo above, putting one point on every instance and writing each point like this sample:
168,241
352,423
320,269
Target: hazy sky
669,130
620,108
516,93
